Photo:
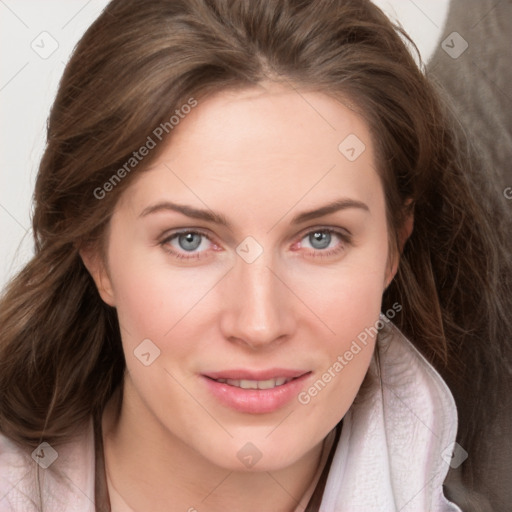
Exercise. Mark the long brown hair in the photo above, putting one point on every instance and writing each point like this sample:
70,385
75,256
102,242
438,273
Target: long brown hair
60,347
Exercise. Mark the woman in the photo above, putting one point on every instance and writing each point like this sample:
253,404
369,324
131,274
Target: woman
247,217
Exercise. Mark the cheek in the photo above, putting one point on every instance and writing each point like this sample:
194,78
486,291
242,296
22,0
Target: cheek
156,301
348,301
351,310
145,299
352,315
347,296
141,301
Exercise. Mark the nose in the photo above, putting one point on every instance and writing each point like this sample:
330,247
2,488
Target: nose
257,312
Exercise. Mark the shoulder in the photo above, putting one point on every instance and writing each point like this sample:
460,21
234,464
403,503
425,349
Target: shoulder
17,477
48,478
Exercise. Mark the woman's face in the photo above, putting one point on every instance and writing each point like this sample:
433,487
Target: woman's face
266,282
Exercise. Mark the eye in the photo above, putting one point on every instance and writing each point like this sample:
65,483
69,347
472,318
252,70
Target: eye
325,242
194,244
188,244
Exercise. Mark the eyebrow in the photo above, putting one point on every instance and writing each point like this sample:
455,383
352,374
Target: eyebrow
218,218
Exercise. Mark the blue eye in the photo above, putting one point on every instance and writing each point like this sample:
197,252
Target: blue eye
190,244
320,240
188,241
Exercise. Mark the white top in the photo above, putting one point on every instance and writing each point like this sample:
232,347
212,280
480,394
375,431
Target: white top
392,450
390,456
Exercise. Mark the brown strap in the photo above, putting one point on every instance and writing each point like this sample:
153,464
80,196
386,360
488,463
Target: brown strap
101,497
316,498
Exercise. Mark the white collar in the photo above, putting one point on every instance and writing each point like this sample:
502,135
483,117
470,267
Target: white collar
393,451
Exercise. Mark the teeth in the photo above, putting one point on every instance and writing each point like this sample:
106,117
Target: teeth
268,384
246,384
255,384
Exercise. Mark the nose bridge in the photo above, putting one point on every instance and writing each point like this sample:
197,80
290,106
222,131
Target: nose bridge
259,310
258,284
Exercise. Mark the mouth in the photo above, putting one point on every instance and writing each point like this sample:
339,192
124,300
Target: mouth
256,392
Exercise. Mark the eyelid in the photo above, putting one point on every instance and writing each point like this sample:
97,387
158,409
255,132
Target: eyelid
173,232
343,232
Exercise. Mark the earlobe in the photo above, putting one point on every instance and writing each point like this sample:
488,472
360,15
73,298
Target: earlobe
407,228
391,275
403,235
98,271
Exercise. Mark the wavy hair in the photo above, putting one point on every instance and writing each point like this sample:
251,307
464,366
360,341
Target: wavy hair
60,347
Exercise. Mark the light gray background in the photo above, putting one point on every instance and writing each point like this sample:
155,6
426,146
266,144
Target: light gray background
29,29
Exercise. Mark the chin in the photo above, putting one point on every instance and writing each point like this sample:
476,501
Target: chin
257,453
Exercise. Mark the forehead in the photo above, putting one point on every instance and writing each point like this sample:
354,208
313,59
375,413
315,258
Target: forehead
287,122
269,143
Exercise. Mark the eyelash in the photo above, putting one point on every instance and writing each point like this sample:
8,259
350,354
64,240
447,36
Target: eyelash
346,239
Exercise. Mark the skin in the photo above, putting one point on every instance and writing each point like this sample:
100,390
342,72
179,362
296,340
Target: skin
259,157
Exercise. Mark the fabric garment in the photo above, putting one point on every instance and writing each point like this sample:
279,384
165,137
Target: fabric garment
393,453
396,445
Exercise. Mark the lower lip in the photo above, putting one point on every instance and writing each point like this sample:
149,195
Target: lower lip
256,401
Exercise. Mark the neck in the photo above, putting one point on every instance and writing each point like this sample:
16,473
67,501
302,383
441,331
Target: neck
149,468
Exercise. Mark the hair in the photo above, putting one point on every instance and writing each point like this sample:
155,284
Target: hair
61,356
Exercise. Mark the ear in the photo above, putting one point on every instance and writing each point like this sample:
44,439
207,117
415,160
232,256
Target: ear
97,267
403,235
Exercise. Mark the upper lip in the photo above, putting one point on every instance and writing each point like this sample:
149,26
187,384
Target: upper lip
243,374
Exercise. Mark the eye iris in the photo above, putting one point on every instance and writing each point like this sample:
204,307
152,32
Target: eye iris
321,237
189,243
